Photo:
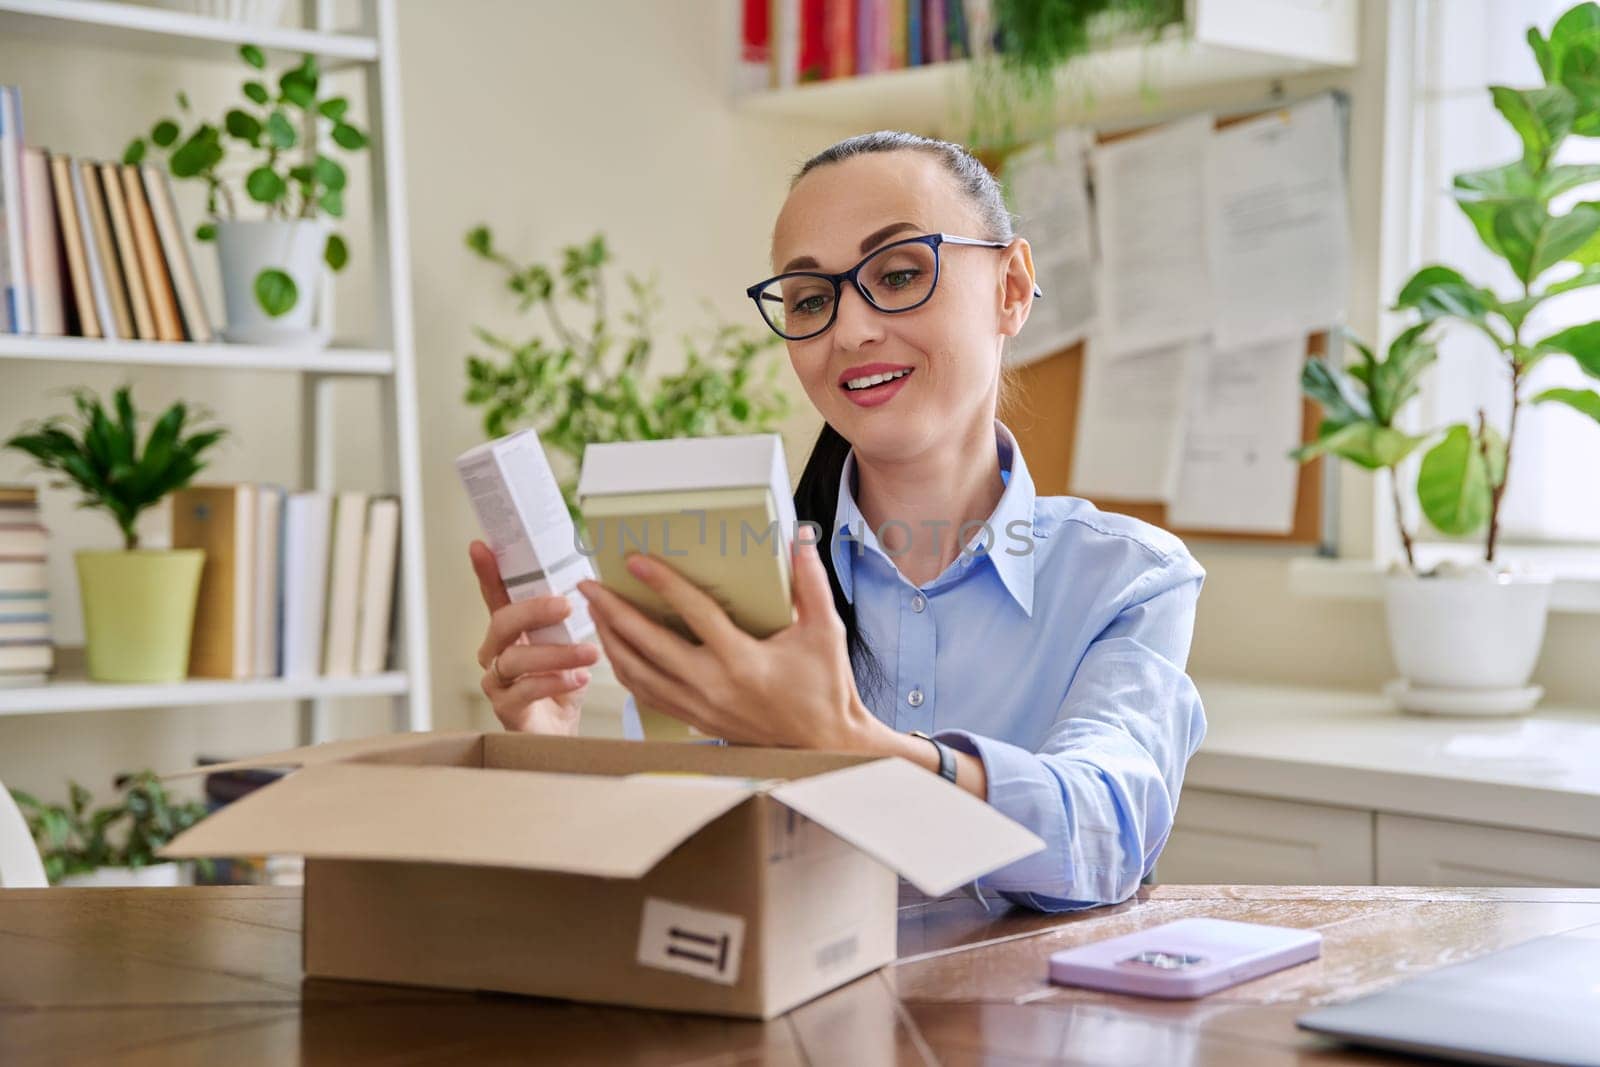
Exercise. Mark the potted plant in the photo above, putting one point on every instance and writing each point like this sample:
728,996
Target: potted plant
270,266
1019,53
1466,637
580,385
114,845
138,604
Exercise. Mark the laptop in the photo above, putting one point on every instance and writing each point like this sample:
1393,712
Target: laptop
1536,1003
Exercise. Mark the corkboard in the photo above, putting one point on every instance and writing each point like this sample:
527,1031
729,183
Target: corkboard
1042,411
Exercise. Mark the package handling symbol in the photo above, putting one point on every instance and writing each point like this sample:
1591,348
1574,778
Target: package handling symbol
694,941
707,948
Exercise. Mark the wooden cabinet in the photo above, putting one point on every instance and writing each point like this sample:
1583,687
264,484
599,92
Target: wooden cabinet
1228,838
1414,851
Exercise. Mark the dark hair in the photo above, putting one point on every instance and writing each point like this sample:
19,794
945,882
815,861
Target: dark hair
817,496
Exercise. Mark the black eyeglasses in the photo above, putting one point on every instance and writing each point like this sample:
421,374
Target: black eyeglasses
897,277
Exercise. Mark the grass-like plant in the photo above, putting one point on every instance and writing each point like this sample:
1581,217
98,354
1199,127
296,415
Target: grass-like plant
72,839
99,452
579,385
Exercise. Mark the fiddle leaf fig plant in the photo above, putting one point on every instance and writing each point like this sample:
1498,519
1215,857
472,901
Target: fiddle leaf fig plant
100,453
582,383
1461,480
288,166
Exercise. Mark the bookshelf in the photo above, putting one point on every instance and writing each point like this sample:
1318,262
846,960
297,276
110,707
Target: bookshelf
373,48
1223,44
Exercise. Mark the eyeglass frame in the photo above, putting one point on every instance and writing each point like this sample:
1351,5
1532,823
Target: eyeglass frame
932,240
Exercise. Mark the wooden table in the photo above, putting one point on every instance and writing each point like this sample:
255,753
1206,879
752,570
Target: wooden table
212,975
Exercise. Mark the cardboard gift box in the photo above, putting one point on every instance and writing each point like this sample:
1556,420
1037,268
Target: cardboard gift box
694,877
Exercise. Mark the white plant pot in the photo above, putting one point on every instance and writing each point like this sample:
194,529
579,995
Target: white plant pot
244,250
156,874
1467,644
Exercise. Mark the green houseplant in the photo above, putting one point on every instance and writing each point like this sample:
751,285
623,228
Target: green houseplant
138,604
1480,628
114,844
582,383
270,266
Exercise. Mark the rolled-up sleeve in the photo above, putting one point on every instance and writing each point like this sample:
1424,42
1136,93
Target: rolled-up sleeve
1102,787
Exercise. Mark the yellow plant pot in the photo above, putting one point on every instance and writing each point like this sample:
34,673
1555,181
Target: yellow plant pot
138,612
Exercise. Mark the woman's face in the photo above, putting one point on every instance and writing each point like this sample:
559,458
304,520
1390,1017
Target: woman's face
948,349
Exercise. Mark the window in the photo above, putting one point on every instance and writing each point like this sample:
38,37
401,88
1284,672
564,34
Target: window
1464,46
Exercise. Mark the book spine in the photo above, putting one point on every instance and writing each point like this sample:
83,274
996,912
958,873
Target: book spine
896,58
72,240
44,245
913,33
813,40
157,284
144,324
934,18
956,29
158,186
841,19
106,251
18,299
100,291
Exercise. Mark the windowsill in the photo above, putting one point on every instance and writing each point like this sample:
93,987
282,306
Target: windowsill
1576,571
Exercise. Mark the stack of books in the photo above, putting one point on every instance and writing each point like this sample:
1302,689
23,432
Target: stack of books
26,654
295,585
90,249
787,42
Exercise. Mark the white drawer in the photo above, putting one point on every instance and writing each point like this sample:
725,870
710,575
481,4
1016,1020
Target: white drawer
1414,851
1231,839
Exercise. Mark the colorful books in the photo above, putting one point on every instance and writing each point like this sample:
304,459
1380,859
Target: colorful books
800,41
27,654
90,249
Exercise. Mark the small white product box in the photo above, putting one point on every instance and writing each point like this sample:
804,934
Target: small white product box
526,522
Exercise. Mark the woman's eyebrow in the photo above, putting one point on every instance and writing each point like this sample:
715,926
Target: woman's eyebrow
871,241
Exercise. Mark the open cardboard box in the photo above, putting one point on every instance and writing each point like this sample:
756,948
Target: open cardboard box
707,878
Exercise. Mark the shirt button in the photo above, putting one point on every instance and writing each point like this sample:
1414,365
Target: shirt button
914,698
918,602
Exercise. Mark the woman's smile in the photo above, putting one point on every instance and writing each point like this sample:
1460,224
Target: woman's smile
871,384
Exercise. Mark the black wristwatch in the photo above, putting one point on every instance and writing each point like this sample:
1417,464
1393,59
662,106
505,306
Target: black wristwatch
947,756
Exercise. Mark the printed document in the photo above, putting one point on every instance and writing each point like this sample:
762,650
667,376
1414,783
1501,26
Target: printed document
1130,423
1150,213
1048,186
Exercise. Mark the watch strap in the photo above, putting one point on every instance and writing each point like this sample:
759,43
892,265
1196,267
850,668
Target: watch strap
947,756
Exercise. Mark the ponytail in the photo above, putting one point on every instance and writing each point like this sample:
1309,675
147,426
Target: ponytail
816,499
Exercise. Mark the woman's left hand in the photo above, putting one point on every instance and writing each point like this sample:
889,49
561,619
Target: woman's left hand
794,688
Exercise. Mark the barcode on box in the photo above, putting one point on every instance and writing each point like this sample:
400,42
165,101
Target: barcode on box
836,952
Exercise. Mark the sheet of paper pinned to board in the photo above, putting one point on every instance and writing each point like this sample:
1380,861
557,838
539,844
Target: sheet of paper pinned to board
1279,234
1130,423
1048,185
1243,419
1150,214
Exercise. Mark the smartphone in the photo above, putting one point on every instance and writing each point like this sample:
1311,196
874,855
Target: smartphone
1184,959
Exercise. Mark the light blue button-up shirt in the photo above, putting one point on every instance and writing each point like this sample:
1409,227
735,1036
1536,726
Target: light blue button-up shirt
1053,649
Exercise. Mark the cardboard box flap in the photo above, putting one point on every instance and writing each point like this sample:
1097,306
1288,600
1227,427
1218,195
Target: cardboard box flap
935,835
581,824
351,748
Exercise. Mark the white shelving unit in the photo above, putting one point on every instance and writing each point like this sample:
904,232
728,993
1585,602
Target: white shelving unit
1224,43
372,48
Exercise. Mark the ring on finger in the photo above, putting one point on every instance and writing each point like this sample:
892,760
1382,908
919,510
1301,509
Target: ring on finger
494,669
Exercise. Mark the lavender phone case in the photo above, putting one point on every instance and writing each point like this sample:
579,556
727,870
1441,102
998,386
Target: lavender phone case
1184,959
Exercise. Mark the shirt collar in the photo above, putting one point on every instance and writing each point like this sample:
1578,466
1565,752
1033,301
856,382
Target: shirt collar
1016,504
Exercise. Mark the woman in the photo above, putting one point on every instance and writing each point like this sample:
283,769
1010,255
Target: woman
1039,641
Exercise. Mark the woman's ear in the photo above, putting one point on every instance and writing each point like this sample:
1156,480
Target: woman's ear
1016,287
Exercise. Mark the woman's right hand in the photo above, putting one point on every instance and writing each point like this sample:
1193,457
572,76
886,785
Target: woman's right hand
534,688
